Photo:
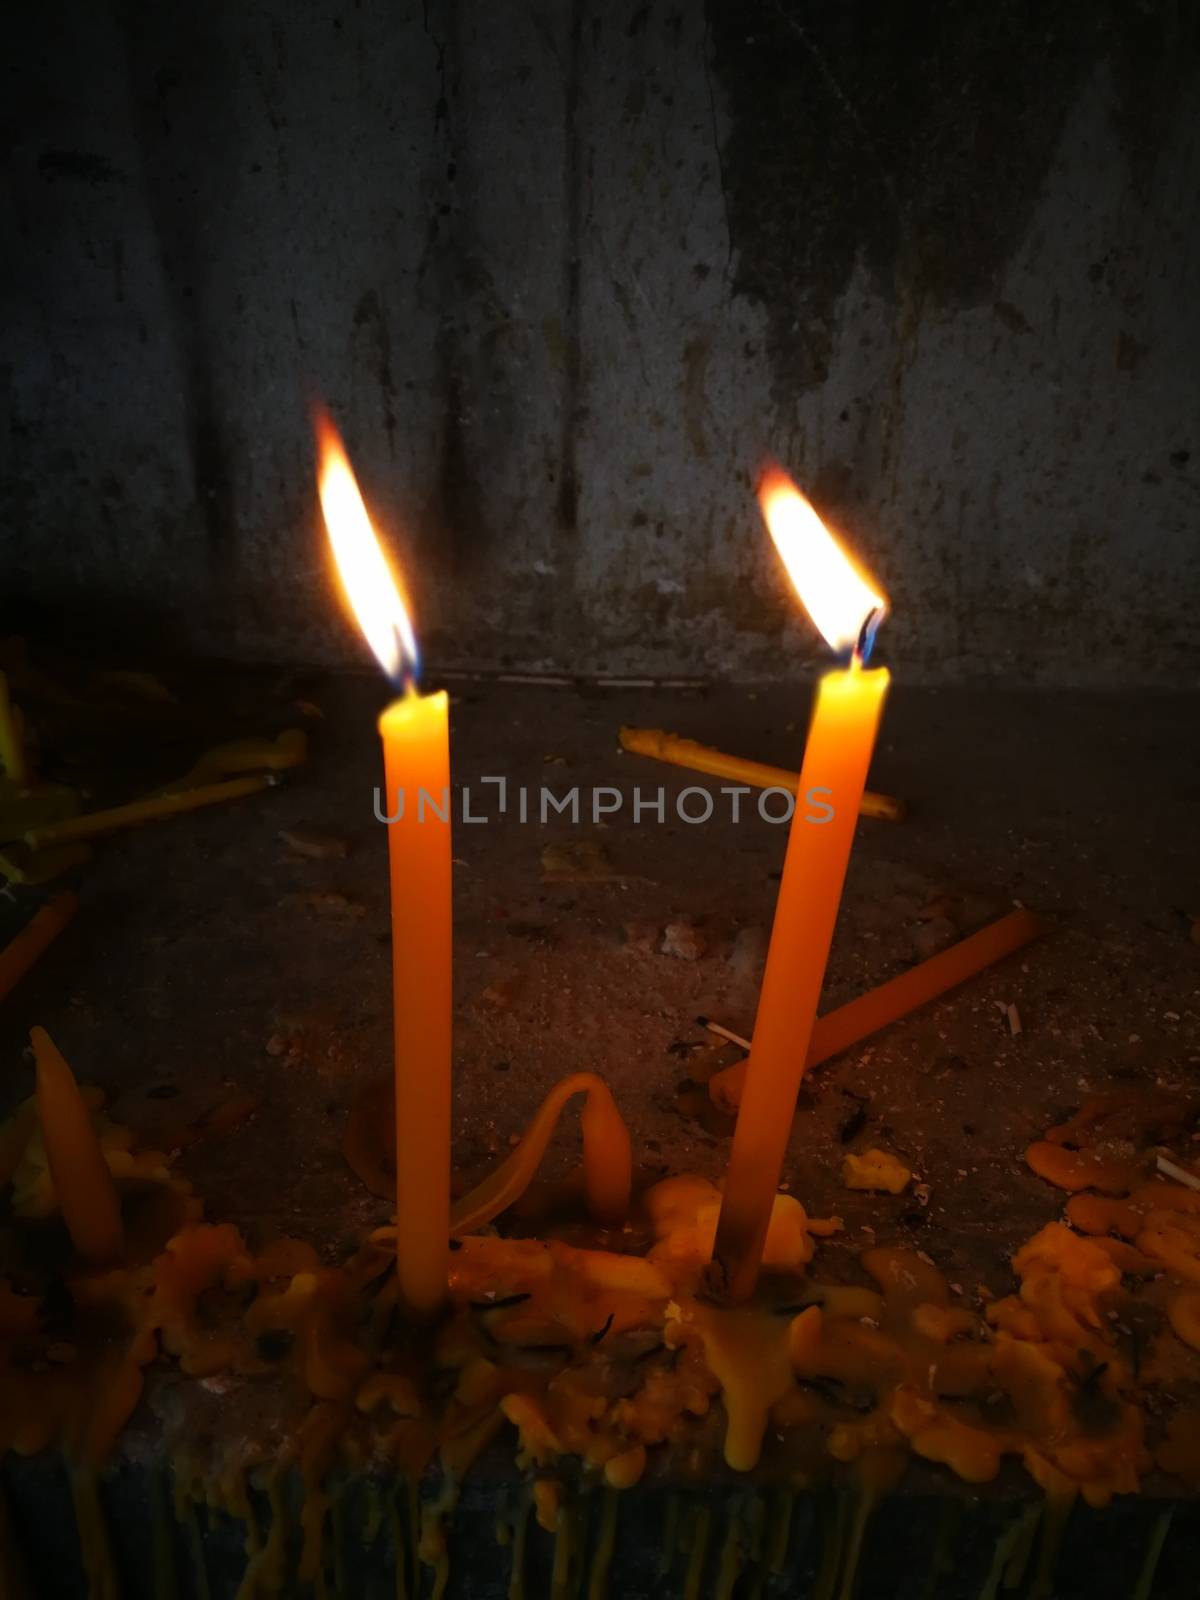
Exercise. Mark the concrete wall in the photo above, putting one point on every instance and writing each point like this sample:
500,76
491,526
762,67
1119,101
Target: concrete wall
565,273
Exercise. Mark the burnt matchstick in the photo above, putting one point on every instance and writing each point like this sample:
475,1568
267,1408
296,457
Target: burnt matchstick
723,1033
1170,1169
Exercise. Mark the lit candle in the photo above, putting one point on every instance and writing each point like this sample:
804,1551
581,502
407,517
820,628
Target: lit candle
87,1196
845,605
416,756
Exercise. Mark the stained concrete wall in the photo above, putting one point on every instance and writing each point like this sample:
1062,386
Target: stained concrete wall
566,273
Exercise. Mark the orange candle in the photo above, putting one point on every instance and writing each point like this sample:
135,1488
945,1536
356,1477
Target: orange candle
416,754
87,1196
34,939
878,1008
845,605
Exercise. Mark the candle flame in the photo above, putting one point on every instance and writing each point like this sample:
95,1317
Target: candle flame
371,587
844,602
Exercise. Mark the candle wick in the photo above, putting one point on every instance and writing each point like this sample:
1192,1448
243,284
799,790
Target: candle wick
866,637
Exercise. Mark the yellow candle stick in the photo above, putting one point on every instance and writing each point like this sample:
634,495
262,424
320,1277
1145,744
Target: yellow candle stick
21,865
290,749
680,752
416,754
155,809
859,1019
34,940
844,605
12,745
23,807
87,1196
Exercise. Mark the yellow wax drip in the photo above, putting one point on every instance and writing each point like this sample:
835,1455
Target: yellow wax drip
607,1158
433,1548
1021,1549
701,1532
266,1571
1054,1524
94,1545
568,1549
732,1558
779,1533
1154,1550
666,1555
748,1354
605,1544
516,1581
862,1376
833,1547
401,1544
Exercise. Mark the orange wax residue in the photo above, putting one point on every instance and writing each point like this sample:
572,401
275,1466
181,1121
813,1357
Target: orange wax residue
83,1184
604,1360
1128,1260
1141,1116
318,1309
685,1213
1094,1213
77,1385
1162,1196
71,1372
1179,1452
1172,1238
1082,1169
1183,1310
194,1263
875,1170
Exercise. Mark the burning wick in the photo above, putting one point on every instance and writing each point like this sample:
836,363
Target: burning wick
846,606
416,754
